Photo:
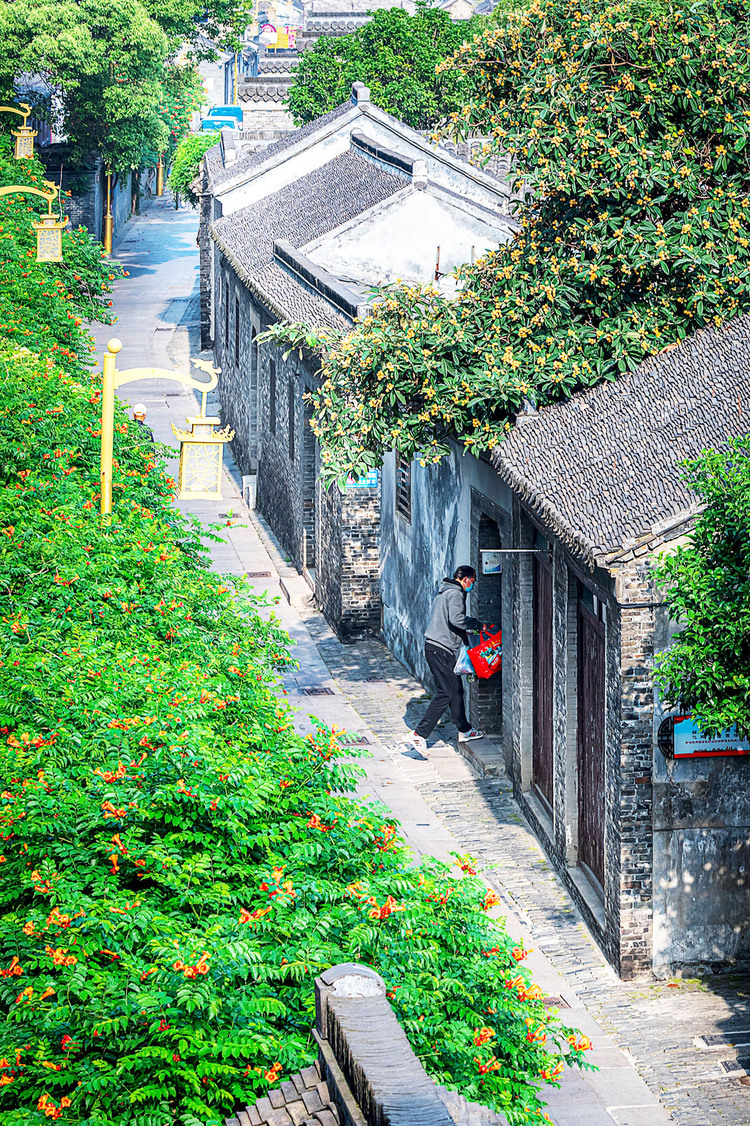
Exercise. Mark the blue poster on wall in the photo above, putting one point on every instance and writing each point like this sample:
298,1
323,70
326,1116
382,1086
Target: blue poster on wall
369,481
690,743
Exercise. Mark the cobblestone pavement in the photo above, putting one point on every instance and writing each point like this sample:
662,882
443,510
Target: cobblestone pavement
654,1021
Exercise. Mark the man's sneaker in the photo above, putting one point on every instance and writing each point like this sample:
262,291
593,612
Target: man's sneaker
416,743
464,736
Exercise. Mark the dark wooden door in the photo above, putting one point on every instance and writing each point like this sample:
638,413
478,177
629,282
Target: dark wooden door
591,742
542,765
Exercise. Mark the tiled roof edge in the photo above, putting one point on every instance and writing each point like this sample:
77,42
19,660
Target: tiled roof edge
577,543
328,286
246,278
386,156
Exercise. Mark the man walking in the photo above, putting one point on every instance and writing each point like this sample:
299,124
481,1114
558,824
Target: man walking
447,631
141,430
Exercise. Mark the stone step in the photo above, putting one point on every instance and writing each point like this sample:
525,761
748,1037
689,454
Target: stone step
485,755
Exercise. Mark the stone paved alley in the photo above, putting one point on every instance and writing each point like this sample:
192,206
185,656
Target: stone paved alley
650,1070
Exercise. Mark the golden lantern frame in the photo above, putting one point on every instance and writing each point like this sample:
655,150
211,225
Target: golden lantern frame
48,230
24,144
195,444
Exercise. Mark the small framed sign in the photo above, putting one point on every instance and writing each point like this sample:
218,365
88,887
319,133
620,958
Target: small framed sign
369,481
492,562
680,738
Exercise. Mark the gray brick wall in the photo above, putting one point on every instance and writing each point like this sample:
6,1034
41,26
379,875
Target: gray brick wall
336,533
633,833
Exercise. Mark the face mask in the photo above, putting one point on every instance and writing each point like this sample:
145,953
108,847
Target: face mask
471,584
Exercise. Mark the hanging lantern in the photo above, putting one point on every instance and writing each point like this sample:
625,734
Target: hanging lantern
48,230
24,146
201,455
49,238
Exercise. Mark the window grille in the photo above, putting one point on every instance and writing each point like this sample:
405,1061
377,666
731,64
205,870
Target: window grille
237,331
291,419
403,486
226,316
272,396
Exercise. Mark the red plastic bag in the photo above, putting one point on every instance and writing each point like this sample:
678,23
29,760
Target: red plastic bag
487,657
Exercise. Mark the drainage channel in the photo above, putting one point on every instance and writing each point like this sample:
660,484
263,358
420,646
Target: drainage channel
735,1068
717,1040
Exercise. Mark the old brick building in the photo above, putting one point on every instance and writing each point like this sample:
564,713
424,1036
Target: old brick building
301,232
582,496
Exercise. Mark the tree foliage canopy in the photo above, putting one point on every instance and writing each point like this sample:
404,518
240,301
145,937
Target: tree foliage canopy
629,130
110,70
706,670
187,162
396,56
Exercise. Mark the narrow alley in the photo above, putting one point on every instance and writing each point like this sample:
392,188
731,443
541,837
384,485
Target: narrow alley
650,1069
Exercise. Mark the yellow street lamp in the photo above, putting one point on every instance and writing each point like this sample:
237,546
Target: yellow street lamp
200,448
109,219
48,230
25,135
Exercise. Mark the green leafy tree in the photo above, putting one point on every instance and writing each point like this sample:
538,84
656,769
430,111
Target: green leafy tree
109,68
187,162
44,306
396,56
706,670
629,130
201,23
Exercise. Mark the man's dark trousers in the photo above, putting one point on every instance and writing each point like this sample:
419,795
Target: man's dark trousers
450,691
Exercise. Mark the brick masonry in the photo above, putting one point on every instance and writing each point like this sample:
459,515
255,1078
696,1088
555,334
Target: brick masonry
85,206
332,535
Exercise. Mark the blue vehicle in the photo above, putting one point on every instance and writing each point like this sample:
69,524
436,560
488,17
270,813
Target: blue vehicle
216,124
227,111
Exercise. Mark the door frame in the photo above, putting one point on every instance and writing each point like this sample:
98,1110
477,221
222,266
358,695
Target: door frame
592,620
542,573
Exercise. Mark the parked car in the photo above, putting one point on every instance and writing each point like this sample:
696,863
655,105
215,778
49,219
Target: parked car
227,111
215,124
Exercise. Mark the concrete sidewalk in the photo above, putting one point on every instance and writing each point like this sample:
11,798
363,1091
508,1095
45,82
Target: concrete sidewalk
157,311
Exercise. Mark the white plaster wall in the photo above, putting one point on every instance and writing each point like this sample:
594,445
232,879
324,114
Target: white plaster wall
415,556
399,241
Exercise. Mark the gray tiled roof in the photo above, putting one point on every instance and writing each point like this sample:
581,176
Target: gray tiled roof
306,209
218,174
301,1100
602,469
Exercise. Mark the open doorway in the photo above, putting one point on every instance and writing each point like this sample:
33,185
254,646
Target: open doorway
486,696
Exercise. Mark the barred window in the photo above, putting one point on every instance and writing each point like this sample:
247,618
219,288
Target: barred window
237,331
403,486
226,317
272,396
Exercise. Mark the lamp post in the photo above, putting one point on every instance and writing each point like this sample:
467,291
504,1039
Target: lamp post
160,176
48,230
24,145
200,449
109,219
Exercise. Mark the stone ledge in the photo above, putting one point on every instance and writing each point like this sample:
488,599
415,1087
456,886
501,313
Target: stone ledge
485,755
